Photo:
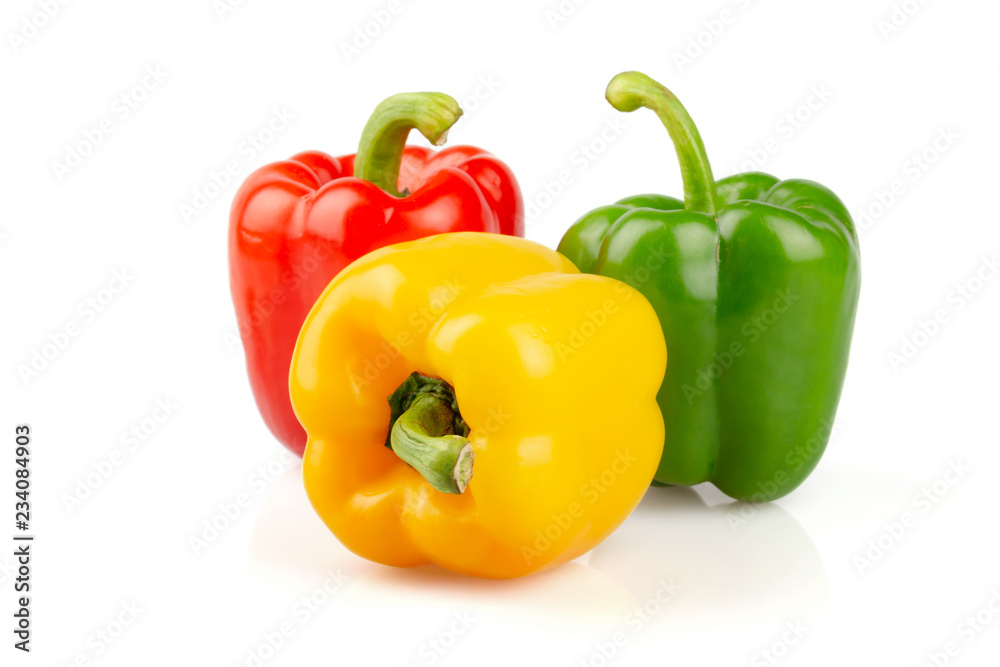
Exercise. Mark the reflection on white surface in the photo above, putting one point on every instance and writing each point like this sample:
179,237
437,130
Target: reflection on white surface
754,566
734,563
570,598
291,548
289,545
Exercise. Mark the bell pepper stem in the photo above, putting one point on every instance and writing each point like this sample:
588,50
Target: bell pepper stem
383,140
423,433
630,90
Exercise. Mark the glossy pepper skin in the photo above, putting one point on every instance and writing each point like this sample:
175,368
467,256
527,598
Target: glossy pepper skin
756,284
554,373
297,223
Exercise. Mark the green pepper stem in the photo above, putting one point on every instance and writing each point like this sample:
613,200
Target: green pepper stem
383,140
630,90
421,438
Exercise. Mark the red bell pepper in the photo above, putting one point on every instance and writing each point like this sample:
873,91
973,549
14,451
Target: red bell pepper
295,224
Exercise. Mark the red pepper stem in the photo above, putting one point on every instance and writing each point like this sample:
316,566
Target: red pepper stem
630,90
380,152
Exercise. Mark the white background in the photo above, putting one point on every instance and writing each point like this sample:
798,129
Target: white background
790,580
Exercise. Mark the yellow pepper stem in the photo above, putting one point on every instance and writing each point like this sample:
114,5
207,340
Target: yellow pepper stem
425,418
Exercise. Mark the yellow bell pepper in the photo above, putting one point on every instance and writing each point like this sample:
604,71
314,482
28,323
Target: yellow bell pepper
523,428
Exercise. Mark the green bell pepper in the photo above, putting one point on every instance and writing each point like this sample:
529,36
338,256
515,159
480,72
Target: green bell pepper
756,284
